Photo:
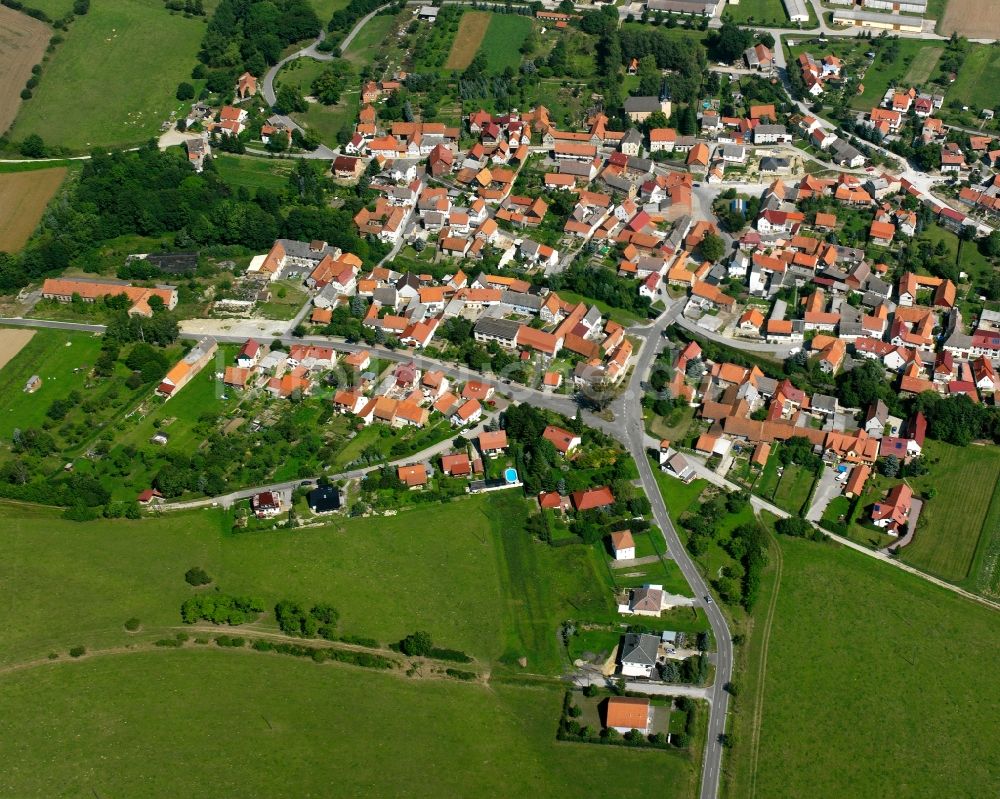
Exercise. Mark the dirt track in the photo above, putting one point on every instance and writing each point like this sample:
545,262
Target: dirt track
22,44
471,30
12,342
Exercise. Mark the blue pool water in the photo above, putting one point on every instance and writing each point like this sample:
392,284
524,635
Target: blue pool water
510,475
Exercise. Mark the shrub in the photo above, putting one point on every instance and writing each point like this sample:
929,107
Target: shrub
169,642
418,644
132,624
460,675
197,576
77,651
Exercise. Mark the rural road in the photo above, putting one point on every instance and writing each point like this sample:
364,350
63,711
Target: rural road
629,410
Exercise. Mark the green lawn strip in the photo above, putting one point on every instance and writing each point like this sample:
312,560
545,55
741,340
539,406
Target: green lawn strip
135,717
92,93
287,298
364,47
678,496
978,81
620,315
965,480
501,44
758,12
793,488
891,692
598,642
252,172
737,770
542,587
984,576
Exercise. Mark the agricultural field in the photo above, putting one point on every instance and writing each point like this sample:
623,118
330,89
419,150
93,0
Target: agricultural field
61,359
978,81
502,44
92,93
490,590
12,341
471,31
23,198
133,718
252,173
758,12
22,44
951,530
965,17
888,671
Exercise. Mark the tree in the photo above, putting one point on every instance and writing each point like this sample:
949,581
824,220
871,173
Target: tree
81,7
729,43
712,247
418,644
277,142
33,146
197,576
288,100
185,91
889,466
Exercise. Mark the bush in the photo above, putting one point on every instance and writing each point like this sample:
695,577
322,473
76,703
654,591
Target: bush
132,624
78,651
418,644
169,642
229,641
460,675
197,576
221,609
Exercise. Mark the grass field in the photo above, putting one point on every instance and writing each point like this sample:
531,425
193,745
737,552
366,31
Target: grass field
978,82
922,66
53,355
22,45
113,80
896,692
252,173
757,12
471,30
23,198
504,37
364,47
793,488
462,571
965,479
316,731
325,8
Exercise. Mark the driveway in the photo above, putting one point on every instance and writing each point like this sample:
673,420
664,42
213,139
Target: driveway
826,491
916,505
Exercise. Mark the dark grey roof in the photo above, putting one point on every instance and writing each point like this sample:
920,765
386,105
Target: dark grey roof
304,250
824,402
324,499
575,168
497,328
632,136
639,648
641,104
519,299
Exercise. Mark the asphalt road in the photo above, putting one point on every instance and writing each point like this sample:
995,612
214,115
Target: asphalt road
635,439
